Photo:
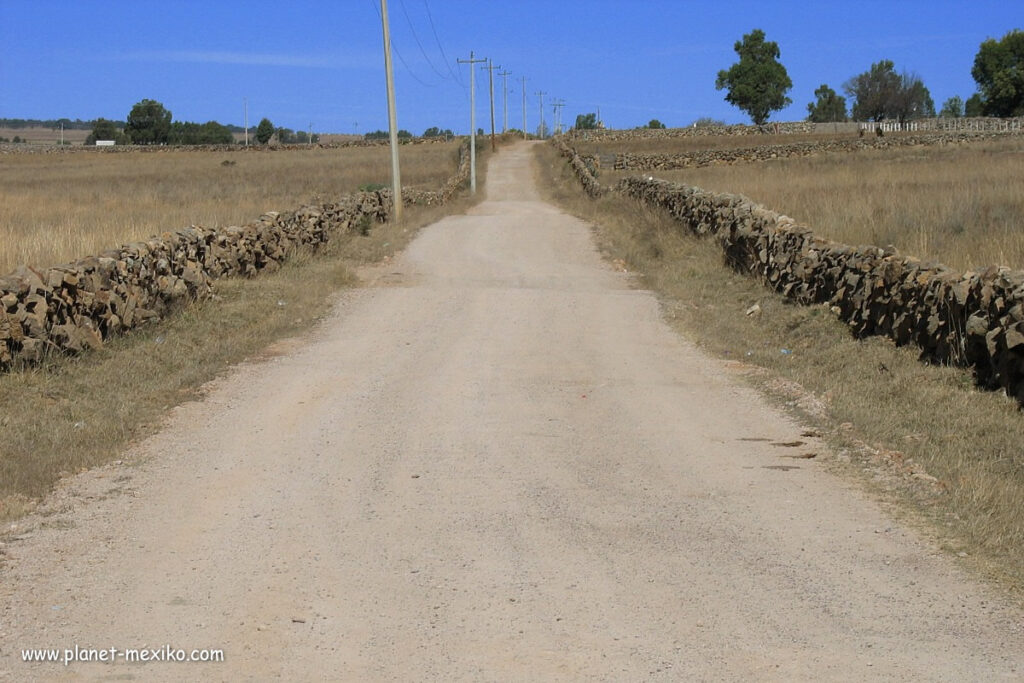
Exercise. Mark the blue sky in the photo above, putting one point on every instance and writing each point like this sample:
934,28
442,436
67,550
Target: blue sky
321,63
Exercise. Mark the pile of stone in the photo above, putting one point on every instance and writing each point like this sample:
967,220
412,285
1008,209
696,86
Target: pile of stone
973,319
73,307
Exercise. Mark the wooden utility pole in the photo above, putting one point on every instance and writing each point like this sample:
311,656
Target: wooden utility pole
540,130
557,106
396,176
504,99
490,76
472,120
524,107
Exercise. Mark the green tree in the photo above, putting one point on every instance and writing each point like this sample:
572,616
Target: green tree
149,123
214,133
209,133
829,107
880,93
655,123
285,136
953,108
403,134
873,91
974,106
758,83
104,129
586,121
377,135
999,71
264,131
912,100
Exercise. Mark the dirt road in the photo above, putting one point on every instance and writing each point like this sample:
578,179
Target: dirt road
495,463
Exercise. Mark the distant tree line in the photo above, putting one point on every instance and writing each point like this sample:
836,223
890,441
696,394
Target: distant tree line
150,123
385,135
77,124
757,84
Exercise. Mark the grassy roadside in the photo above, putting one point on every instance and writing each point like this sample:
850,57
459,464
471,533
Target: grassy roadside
71,414
922,439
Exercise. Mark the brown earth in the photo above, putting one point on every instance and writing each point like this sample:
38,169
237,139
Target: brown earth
494,462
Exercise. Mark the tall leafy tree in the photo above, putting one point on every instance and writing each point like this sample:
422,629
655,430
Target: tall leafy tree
830,106
873,91
586,121
149,123
999,71
264,131
912,100
880,93
758,82
104,129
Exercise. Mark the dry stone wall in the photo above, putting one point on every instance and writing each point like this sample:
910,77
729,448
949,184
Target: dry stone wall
973,319
76,306
609,135
650,162
794,128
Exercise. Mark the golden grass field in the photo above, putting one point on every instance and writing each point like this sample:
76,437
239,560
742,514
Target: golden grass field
44,136
58,207
960,205
889,418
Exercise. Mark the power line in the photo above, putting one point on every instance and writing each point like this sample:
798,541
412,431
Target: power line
417,39
437,40
402,59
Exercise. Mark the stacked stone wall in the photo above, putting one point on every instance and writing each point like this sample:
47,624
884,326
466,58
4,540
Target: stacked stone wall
630,161
973,319
76,306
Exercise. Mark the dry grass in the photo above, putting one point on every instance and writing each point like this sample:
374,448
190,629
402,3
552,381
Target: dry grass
71,414
959,205
696,143
44,136
58,207
886,415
